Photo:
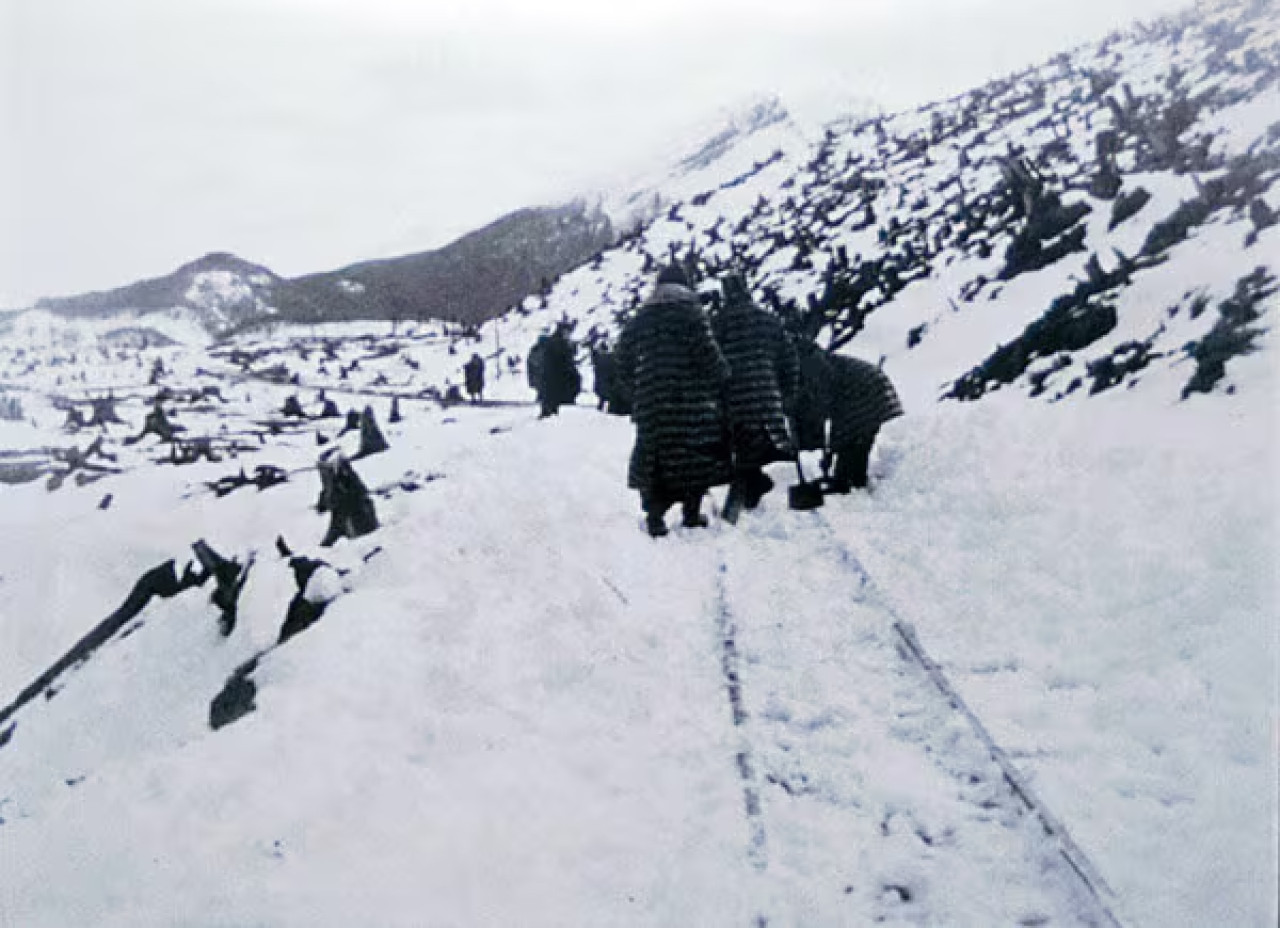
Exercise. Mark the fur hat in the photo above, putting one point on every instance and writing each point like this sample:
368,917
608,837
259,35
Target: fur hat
674,274
735,289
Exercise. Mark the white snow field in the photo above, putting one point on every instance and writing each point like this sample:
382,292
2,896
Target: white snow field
520,714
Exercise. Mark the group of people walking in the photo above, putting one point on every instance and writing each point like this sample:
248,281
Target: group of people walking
716,397
711,398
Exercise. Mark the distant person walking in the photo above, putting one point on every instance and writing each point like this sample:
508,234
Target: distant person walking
764,378
604,370
473,373
669,364
556,380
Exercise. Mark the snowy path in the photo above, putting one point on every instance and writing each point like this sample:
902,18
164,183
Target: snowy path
878,804
525,712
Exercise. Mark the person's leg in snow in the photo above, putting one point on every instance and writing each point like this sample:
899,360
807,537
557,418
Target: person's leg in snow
756,484
850,469
655,505
692,511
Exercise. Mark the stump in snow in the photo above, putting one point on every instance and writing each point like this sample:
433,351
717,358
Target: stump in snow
104,411
292,408
229,577
1262,216
75,421
395,411
307,606
1106,183
156,423
236,699
371,437
344,496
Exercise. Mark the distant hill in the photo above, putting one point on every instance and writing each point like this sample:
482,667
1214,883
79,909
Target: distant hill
222,292
476,278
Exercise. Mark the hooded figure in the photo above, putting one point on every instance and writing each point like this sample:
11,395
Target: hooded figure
668,363
764,377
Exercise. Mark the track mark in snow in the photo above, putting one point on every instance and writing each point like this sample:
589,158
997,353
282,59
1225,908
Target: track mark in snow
1071,853
730,664
909,646
879,799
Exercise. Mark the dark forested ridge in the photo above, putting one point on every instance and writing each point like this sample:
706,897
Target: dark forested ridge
470,280
475,278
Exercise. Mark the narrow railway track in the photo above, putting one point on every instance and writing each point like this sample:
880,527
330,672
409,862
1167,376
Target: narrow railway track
818,703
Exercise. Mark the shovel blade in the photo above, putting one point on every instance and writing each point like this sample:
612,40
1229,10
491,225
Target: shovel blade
804,496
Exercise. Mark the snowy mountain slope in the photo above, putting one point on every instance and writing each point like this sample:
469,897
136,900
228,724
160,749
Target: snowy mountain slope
758,134
472,279
904,237
521,710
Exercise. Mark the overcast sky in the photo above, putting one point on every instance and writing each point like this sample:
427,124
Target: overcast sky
136,135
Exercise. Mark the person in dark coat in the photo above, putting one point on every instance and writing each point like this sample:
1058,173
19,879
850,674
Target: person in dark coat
862,399
812,402
603,368
559,381
670,366
763,380
473,372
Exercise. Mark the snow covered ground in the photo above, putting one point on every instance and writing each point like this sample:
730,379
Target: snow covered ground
520,711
